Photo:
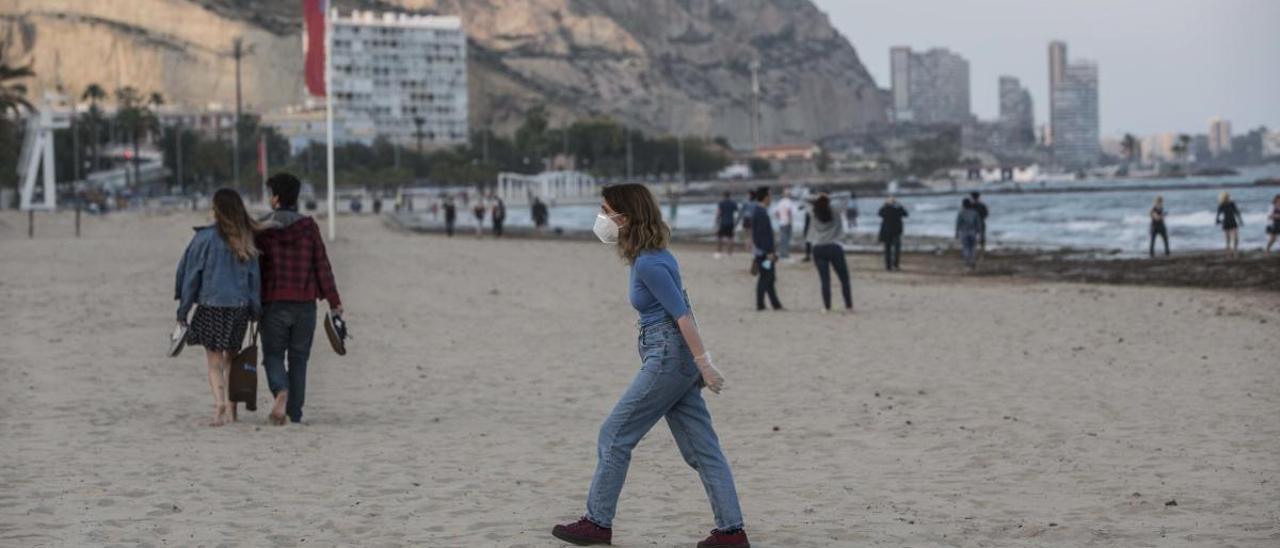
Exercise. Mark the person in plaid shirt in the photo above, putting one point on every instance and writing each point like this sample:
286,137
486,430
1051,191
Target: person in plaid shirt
295,273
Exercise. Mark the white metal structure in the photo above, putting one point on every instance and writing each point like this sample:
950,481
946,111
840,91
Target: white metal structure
550,186
37,154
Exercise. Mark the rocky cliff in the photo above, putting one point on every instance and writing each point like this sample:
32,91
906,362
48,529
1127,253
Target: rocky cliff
663,65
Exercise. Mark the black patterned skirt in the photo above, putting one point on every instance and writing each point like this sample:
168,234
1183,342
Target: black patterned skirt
219,327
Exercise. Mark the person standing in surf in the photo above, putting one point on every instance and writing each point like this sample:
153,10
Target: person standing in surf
1231,220
968,230
1273,228
891,215
219,272
295,273
1157,227
675,368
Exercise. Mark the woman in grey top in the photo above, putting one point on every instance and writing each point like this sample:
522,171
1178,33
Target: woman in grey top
825,234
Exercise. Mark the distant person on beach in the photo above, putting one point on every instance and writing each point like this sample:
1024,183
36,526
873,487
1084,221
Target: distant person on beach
825,235
1231,220
968,230
1273,229
851,211
498,214
726,220
219,272
765,255
746,217
478,211
785,211
981,208
891,215
295,273
676,366
539,214
1157,227
450,215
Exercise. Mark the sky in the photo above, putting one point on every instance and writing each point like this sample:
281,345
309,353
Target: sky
1164,65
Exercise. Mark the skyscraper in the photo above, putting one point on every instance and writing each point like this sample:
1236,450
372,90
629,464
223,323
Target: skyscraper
1057,67
406,73
1017,119
930,87
1073,109
1219,136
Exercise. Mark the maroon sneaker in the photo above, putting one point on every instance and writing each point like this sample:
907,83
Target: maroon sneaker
721,539
584,533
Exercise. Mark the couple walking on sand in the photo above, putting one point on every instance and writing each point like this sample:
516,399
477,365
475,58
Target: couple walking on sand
271,271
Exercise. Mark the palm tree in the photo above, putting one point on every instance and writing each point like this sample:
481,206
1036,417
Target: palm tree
1180,150
133,119
1130,146
13,94
94,93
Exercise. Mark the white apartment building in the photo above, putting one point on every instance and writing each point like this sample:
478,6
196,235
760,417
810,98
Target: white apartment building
406,73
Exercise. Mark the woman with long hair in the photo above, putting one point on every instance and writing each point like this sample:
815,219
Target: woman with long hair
675,368
219,273
825,234
1231,220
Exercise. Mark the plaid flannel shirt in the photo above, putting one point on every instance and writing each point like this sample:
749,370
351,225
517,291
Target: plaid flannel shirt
295,266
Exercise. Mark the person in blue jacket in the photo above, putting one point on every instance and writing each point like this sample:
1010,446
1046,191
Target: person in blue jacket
219,273
676,367
766,255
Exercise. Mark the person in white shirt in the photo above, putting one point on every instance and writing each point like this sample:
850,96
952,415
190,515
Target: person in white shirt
784,212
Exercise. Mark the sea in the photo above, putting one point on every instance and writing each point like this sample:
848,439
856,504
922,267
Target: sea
1074,217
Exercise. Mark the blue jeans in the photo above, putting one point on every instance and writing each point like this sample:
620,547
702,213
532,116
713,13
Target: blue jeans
968,243
287,330
831,256
784,244
668,385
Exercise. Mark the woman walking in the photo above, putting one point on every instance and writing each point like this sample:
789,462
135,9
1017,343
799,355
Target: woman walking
219,272
1230,219
675,368
825,234
1273,229
1157,227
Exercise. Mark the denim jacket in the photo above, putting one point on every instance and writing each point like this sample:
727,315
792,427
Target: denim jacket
209,274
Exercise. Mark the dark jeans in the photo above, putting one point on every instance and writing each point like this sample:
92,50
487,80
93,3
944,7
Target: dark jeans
448,227
287,329
1163,233
832,255
766,282
497,227
892,250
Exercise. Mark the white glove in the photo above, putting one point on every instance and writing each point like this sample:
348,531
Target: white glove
711,377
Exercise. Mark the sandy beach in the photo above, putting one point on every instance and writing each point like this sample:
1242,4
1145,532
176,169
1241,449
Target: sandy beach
949,411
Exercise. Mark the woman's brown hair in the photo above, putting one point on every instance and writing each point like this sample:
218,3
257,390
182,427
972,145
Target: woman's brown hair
234,224
643,229
822,208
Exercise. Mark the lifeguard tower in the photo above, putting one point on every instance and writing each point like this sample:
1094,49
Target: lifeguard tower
36,164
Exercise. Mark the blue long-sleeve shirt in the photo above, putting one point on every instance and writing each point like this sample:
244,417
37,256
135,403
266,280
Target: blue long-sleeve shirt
656,290
762,231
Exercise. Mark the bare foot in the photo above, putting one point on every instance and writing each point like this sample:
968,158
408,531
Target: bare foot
277,409
218,411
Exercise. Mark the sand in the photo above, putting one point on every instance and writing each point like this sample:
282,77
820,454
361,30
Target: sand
949,411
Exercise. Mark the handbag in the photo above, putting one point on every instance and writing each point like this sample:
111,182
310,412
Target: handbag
242,380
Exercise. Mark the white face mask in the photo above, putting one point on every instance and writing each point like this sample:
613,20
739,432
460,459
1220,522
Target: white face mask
606,229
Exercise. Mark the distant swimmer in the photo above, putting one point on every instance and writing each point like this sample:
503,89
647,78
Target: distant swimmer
219,275
676,367
1157,227
1231,220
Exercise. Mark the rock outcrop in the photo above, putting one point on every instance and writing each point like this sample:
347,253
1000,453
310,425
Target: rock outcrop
662,65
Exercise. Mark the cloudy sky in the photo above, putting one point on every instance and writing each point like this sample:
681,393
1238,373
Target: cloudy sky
1165,65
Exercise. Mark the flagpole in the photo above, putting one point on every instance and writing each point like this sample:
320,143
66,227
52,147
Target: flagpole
328,108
